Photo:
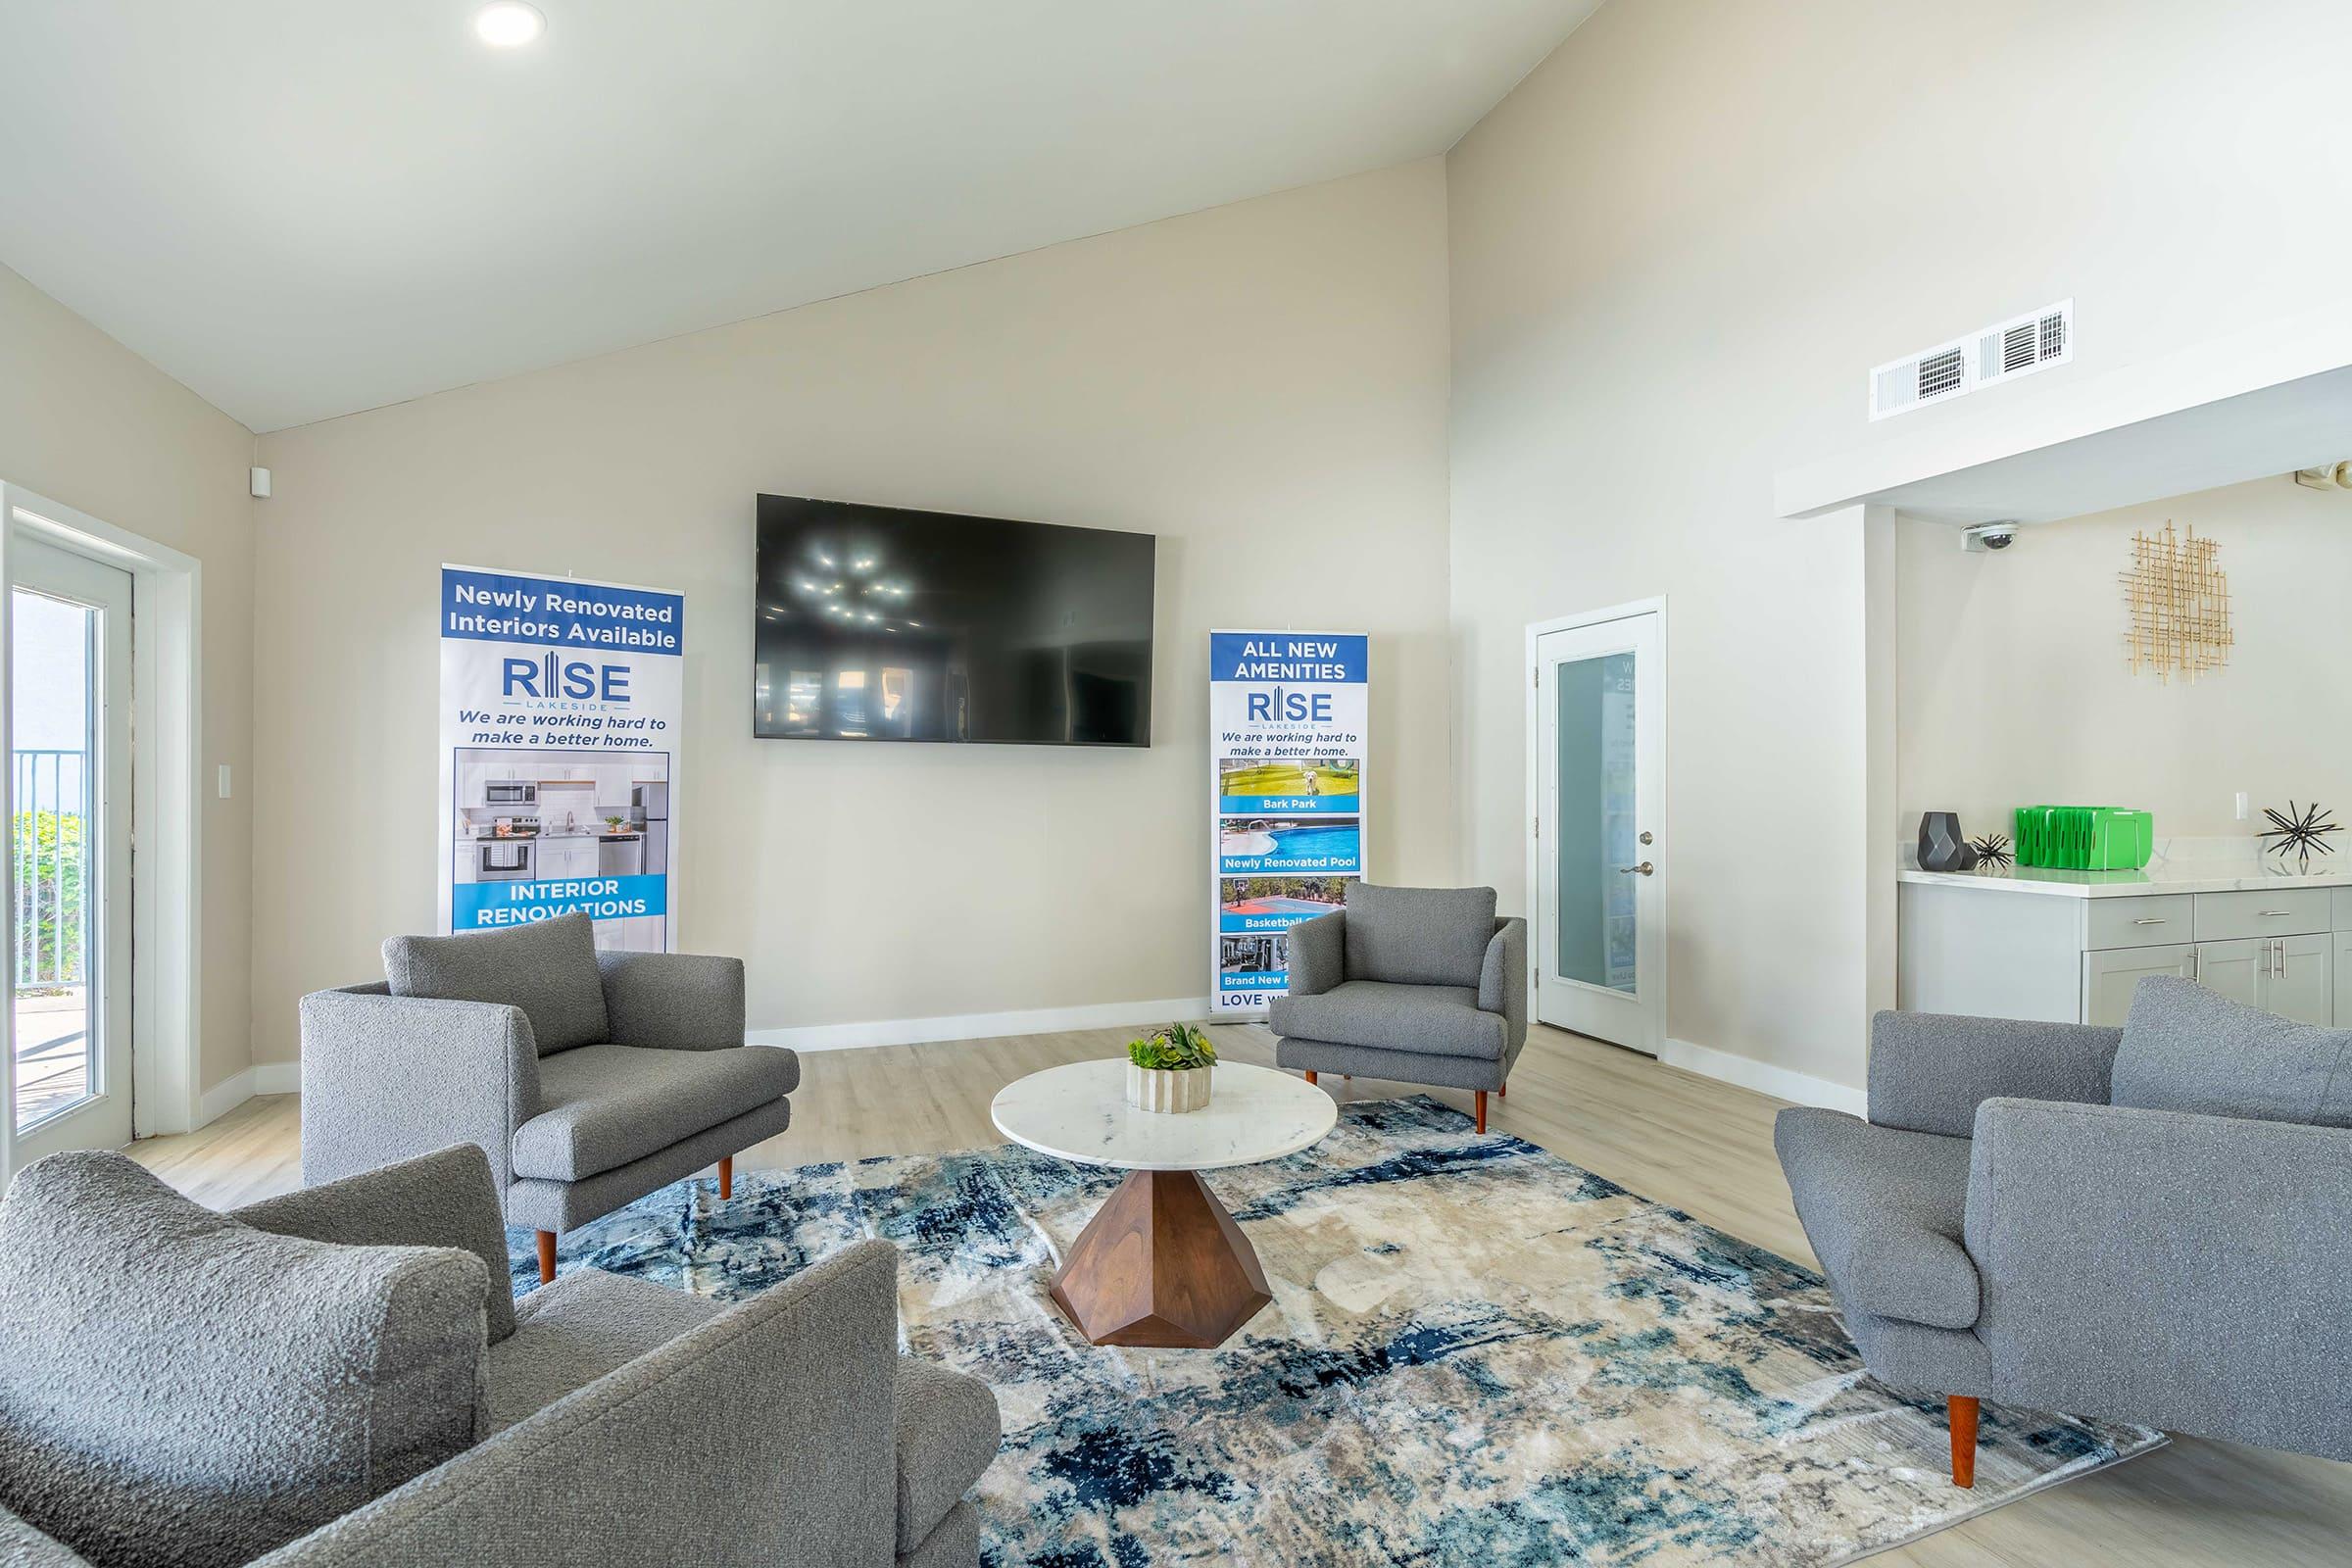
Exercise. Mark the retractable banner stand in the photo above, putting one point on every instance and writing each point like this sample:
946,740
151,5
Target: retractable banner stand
560,724
1288,716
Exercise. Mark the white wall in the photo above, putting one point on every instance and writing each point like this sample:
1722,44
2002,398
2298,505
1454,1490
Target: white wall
2015,687
1262,385
86,423
1678,248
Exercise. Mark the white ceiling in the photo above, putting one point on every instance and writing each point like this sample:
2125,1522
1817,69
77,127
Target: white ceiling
305,209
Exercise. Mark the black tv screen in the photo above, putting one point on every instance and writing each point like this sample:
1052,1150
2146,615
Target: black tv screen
881,625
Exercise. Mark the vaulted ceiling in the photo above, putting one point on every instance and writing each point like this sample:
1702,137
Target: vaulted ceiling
302,208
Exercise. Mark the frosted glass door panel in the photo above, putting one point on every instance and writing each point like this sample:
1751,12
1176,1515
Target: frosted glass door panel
1599,917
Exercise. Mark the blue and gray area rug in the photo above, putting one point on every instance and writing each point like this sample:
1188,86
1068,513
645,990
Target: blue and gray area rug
1479,1355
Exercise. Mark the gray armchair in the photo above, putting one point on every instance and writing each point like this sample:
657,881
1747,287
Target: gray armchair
588,1079
2146,1224
1422,985
339,1378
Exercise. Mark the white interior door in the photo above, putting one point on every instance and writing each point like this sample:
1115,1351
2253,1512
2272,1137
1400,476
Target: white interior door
1598,733
68,882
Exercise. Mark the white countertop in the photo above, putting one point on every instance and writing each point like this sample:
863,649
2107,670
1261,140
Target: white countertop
2161,876
1080,1113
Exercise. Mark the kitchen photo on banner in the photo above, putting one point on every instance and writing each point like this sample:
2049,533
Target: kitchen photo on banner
1287,724
559,715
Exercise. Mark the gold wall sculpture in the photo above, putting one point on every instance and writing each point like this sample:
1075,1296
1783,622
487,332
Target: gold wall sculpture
2179,602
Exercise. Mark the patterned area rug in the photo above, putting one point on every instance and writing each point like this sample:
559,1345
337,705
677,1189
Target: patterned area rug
1477,1355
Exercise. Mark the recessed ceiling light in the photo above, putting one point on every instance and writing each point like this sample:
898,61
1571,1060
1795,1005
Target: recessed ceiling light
509,24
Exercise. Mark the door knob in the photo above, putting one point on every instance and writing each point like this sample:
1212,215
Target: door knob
1643,869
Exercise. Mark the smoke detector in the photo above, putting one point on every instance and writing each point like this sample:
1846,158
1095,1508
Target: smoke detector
2001,352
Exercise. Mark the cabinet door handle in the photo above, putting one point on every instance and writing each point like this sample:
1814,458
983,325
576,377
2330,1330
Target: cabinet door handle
2149,919
2277,915
2196,963
2281,944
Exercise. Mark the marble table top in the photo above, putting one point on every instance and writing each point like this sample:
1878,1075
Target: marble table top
1080,1113
2178,876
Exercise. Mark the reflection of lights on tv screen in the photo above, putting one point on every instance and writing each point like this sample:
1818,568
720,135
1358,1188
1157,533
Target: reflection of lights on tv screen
955,628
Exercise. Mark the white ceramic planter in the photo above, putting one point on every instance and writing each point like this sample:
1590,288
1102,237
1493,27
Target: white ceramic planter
1166,1089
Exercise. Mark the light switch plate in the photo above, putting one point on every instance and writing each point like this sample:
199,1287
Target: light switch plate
224,781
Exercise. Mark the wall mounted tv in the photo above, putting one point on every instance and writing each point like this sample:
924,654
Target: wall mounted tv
880,624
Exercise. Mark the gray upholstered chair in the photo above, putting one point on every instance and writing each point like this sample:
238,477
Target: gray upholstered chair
588,1079
1422,985
341,1376
2152,1224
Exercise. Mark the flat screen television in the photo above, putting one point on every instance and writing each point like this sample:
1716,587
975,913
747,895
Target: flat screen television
880,624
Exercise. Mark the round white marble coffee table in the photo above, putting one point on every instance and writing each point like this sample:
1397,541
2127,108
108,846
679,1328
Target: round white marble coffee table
1161,1264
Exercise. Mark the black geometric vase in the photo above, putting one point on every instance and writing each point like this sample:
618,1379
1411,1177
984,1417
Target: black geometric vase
1941,845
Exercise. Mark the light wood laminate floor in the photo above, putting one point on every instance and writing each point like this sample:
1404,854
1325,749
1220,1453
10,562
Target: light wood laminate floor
1702,1146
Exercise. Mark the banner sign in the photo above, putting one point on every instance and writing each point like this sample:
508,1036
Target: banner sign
1286,720
560,713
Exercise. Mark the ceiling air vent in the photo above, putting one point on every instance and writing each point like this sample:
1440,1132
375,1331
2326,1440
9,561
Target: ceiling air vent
2031,342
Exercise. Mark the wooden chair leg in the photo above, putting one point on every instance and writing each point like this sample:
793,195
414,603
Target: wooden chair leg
1961,1411
1481,1108
1503,1091
547,1256
726,1177
1311,1075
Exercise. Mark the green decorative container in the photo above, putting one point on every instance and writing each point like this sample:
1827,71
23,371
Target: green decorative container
2084,838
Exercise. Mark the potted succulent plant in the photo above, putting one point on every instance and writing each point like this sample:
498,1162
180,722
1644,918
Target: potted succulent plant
1169,1069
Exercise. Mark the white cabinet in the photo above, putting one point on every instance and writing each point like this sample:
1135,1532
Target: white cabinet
2235,969
562,859
2298,984
1998,950
2285,975
2344,965
2223,915
637,933
2108,977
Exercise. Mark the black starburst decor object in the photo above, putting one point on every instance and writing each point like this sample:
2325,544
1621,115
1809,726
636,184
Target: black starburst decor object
2298,833
1992,850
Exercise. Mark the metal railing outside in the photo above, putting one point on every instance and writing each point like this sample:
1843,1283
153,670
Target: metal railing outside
49,862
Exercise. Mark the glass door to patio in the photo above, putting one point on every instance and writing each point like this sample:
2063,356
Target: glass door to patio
70,632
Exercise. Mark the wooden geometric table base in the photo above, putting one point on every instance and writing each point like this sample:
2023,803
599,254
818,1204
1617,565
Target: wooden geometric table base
1163,1264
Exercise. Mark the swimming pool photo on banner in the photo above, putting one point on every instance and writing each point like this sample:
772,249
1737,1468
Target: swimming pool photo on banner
1249,846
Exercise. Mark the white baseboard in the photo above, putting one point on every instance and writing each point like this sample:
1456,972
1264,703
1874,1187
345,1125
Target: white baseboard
1780,1082
979,1025
223,1097
261,1078
285,1077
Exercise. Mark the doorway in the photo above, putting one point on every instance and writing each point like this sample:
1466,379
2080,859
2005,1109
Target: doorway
69,899
1597,733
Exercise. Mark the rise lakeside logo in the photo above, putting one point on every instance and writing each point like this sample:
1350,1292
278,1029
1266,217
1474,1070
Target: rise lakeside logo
576,678
1288,707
